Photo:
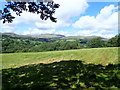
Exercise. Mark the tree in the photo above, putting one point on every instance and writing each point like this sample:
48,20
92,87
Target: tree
114,42
45,9
95,43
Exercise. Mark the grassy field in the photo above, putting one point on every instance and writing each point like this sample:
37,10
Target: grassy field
62,70
102,56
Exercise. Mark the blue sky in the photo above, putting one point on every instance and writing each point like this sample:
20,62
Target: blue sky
78,17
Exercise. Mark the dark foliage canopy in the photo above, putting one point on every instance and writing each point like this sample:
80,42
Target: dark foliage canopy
45,9
63,75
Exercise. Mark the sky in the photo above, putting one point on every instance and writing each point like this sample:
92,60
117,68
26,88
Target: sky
74,18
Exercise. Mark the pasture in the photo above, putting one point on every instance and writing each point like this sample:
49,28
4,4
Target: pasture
102,56
85,69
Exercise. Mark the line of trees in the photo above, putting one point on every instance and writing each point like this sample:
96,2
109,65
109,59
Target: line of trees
13,45
10,45
98,42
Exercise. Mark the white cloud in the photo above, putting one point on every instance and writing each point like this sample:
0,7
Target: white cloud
7,27
105,13
85,22
62,33
104,23
67,10
50,25
70,8
105,36
26,17
91,33
84,33
36,31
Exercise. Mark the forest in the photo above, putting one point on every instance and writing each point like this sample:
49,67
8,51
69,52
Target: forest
14,44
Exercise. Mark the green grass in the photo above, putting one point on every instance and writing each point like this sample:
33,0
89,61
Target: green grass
102,56
46,70
71,40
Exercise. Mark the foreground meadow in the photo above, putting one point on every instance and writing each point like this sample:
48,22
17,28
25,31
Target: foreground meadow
85,69
102,56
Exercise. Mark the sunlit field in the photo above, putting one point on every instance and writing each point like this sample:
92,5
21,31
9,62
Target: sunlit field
102,56
85,69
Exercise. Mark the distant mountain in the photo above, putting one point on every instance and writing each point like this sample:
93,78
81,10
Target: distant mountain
12,34
47,36
80,37
34,36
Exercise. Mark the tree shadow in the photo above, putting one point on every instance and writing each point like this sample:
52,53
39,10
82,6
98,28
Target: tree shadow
63,75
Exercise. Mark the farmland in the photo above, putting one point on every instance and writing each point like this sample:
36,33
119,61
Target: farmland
81,69
102,56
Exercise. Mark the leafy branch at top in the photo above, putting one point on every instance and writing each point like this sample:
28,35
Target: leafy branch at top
45,9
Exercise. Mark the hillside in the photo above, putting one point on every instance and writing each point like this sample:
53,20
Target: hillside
47,36
33,36
80,37
102,56
13,43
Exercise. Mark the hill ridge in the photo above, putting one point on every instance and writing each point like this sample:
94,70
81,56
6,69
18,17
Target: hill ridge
51,36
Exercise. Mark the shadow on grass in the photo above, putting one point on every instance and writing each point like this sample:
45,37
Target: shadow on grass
64,75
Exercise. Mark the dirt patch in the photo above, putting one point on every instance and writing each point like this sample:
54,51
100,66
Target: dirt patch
46,61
